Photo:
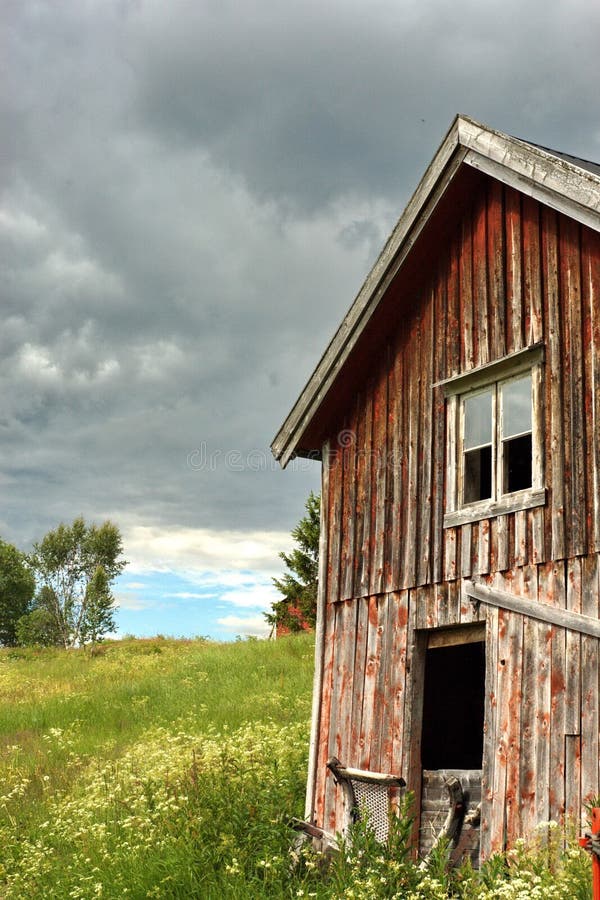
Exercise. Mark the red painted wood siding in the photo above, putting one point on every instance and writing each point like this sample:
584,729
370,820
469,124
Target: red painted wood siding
512,274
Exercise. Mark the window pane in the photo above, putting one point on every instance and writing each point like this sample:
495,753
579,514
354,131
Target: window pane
478,420
517,463
478,475
516,406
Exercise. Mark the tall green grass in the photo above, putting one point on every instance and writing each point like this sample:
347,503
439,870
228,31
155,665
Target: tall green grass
98,752
169,769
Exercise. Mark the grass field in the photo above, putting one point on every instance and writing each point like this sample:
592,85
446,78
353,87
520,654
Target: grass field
150,769
163,768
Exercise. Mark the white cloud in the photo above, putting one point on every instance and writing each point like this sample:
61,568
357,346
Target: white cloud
247,625
260,596
203,556
132,602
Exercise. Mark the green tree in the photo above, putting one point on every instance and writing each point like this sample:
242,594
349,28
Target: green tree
38,629
298,586
77,564
100,615
17,586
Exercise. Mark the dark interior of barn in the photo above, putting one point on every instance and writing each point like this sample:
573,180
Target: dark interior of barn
453,707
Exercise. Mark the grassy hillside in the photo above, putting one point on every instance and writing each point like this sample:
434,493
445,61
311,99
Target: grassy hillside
169,769
142,771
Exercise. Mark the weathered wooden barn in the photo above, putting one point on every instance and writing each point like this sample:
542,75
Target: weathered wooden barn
457,414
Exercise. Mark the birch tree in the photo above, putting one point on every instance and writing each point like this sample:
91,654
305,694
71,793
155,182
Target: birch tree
76,565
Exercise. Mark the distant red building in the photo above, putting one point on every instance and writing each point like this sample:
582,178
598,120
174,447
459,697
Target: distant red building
281,630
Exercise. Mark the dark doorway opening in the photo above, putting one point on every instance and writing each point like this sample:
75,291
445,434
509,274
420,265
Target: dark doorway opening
453,707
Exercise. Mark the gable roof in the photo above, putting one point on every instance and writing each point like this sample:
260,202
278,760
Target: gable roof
563,182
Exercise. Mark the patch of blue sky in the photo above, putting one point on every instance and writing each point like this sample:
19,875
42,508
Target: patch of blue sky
221,605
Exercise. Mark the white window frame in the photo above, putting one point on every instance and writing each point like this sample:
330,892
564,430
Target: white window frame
492,376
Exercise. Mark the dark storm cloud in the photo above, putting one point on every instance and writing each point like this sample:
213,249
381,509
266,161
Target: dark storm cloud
311,100
191,195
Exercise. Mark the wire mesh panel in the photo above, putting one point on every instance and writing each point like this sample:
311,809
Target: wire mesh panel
376,801
367,793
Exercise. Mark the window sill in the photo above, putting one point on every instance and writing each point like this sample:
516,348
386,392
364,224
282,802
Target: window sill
487,509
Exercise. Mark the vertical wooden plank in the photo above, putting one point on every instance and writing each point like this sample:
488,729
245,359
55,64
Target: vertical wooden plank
339,742
382,702
590,683
335,520
483,547
465,275
379,474
332,800
397,462
422,613
573,778
344,674
451,535
440,604
427,603
514,664
466,555
399,612
365,463
368,700
529,786
453,366
520,555
495,261
453,601
360,659
450,561
514,281
348,451
554,399
573,697
542,644
324,781
452,333
536,552
570,294
502,530
590,290
412,506
438,449
489,802
413,712
532,272
391,646
536,517
425,412
591,342
502,698
552,579
470,612
480,285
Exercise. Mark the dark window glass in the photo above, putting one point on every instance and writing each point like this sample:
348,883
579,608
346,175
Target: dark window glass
478,474
517,464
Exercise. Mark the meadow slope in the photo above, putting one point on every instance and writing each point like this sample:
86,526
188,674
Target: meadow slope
156,768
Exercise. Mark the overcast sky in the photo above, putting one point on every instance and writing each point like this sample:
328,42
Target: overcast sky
191,195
